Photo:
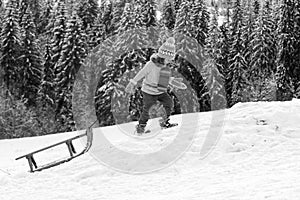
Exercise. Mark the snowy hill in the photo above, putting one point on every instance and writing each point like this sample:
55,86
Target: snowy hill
256,156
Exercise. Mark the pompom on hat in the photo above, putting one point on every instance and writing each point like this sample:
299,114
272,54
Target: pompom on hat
167,49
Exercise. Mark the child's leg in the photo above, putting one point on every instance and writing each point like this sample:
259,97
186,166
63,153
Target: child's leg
148,102
167,102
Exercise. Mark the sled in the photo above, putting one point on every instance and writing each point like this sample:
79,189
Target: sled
73,154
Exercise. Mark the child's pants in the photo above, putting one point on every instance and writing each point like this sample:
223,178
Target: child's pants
150,100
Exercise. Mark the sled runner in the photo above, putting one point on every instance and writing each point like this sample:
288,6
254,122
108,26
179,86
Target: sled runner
73,154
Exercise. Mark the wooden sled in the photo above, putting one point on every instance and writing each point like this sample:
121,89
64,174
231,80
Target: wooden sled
73,154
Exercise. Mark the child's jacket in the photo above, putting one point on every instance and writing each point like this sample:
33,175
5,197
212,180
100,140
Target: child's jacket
157,78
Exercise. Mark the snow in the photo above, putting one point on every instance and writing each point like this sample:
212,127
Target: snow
257,156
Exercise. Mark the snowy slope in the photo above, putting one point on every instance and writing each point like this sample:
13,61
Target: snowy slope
257,156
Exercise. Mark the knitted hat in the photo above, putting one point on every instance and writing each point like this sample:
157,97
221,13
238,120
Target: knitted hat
167,49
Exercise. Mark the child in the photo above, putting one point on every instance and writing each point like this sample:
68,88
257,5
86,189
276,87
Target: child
156,76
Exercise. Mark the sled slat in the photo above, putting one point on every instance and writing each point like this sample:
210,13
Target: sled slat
73,154
48,147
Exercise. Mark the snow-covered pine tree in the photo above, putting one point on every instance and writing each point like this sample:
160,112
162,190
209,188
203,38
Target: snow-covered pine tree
16,120
72,56
35,8
107,16
213,40
148,13
47,89
238,65
88,11
213,67
168,15
184,22
11,48
191,60
127,21
256,8
1,10
31,70
224,59
200,21
177,6
249,22
297,51
47,16
263,55
132,45
95,35
23,5
228,7
58,31
118,9
285,57
276,7
1,18
138,15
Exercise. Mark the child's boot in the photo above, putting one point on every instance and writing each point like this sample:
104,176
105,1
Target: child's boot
165,123
140,128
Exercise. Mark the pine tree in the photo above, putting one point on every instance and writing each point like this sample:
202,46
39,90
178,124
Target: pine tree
31,60
237,63
1,16
214,36
296,72
95,34
200,20
47,17
16,120
1,10
262,60
11,48
168,15
256,8
228,5
213,66
88,11
224,60
72,57
118,9
58,32
148,13
177,6
138,15
285,59
249,22
184,23
127,20
35,8
191,60
107,16
47,89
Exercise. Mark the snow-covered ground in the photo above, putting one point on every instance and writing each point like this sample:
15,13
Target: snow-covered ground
256,157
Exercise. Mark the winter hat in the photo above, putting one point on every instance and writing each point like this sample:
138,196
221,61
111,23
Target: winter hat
167,49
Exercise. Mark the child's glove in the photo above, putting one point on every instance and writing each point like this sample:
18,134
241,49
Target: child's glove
178,79
130,88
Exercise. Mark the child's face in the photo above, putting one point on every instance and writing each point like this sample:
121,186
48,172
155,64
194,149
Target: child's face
167,60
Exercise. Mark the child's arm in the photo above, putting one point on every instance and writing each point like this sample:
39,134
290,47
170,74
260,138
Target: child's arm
141,74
